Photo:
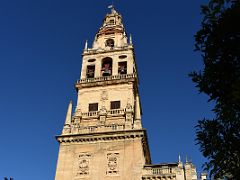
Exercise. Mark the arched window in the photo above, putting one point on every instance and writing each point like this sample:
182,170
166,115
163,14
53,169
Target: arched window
109,43
90,71
106,66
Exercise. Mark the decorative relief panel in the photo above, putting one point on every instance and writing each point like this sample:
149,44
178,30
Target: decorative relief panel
104,95
112,163
83,163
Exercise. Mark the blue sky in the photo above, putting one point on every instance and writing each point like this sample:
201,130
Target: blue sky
40,60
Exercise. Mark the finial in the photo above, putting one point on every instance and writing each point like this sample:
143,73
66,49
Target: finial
186,159
86,45
179,158
130,39
69,114
112,8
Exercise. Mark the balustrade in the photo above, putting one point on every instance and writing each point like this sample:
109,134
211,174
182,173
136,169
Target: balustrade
158,171
91,129
96,113
90,114
92,51
116,111
106,78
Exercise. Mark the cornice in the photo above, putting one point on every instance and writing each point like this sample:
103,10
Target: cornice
108,136
101,136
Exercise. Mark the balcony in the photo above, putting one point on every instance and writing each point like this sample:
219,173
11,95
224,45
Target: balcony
117,112
95,129
103,80
106,50
106,78
95,114
167,171
90,114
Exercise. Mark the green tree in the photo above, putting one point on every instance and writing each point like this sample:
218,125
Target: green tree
218,41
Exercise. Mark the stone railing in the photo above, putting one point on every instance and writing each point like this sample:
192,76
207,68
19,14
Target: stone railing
95,114
116,112
94,129
164,170
106,78
90,114
93,51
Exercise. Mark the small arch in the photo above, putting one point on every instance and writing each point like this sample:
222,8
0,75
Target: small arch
109,43
106,66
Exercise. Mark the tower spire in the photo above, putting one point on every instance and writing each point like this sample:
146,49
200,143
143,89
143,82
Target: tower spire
86,45
130,39
179,158
113,11
69,114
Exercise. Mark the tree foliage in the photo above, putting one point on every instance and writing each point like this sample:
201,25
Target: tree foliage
218,40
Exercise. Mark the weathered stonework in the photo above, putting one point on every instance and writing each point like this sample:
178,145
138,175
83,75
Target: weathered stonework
103,138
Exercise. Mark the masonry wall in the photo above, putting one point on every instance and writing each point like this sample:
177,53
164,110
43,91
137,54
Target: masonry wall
120,159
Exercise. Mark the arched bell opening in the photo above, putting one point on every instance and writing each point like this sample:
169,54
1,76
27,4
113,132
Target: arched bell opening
90,71
106,66
109,43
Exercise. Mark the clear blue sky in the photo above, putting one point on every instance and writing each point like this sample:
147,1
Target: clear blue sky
40,60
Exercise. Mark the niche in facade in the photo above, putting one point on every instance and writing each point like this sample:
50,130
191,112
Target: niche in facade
106,66
109,43
122,67
90,71
122,56
91,60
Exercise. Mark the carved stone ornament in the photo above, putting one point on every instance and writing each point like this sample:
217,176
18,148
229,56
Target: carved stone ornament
103,110
129,106
78,112
66,129
83,164
112,164
104,95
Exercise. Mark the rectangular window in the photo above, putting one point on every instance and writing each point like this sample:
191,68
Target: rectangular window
115,104
93,107
90,71
122,67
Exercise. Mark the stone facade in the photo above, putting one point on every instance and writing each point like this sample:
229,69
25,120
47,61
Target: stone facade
103,138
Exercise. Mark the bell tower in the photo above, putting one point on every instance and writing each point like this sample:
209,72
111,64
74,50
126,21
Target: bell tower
103,138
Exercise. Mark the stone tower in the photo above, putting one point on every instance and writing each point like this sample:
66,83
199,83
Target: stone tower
103,139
